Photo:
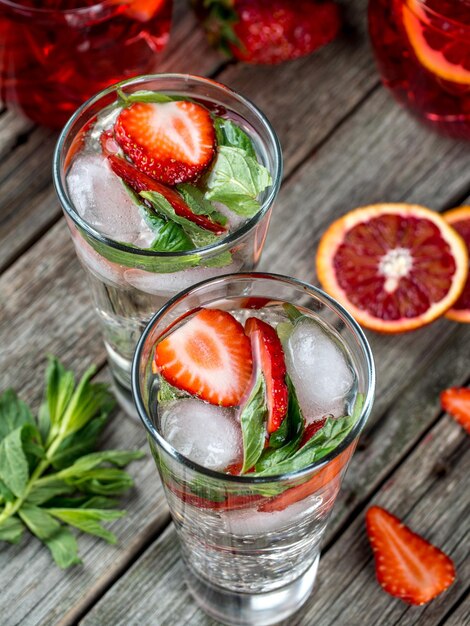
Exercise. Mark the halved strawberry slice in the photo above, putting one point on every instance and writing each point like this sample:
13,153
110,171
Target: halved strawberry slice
456,401
267,346
141,182
407,566
209,356
173,142
311,430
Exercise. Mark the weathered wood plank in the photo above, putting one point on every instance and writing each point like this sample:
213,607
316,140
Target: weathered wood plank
425,497
461,615
29,597
28,203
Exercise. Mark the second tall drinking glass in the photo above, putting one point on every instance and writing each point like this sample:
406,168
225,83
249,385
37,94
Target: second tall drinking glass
129,283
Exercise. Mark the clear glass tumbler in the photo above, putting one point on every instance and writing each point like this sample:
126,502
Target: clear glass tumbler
128,284
251,545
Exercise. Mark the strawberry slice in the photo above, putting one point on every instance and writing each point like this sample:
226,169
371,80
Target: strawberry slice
311,430
456,401
407,566
267,346
209,356
173,142
141,182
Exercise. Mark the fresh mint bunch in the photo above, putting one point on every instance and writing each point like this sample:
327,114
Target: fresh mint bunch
50,477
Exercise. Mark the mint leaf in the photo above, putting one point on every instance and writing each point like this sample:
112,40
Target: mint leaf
167,393
58,539
76,445
125,99
198,204
11,530
322,443
13,413
87,520
292,312
199,236
50,488
6,495
230,134
121,458
14,470
253,423
59,389
102,481
237,180
289,439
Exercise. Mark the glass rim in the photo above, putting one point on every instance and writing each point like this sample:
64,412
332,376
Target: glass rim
48,11
215,248
246,479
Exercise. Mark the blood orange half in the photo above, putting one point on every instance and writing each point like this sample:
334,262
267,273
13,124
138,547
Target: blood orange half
440,44
460,220
396,267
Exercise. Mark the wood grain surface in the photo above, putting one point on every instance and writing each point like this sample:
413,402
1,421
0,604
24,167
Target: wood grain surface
345,143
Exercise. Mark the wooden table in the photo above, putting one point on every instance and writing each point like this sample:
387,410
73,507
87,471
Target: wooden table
346,143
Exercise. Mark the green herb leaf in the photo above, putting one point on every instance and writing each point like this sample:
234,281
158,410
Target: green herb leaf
14,470
292,312
59,389
76,445
199,236
6,495
49,488
237,180
103,481
198,204
253,423
11,530
121,458
230,134
57,538
289,439
13,413
87,520
167,393
125,99
322,443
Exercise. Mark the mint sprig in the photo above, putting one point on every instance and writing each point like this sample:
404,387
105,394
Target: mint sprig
50,478
253,424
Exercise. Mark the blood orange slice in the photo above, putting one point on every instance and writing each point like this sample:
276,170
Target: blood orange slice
441,45
395,267
460,220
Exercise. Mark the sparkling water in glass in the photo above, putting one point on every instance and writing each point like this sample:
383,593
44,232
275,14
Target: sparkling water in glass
251,544
128,283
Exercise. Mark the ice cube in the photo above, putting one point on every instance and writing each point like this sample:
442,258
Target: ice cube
105,270
102,201
204,433
170,284
319,369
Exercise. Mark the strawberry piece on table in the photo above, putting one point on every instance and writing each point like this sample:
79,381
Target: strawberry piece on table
173,142
269,31
267,346
139,181
456,401
407,566
209,357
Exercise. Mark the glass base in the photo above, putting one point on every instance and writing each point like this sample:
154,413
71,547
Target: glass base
245,609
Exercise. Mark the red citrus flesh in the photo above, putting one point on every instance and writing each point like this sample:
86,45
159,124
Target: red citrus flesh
440,44
460,220
396,267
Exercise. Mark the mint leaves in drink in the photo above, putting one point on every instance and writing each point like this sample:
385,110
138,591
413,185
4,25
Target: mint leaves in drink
253,422
51,479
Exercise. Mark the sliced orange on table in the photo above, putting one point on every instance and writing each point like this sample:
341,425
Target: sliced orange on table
395,267
445,53
460,220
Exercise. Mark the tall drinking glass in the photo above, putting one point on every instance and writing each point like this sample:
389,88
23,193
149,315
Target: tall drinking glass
251,544
128,284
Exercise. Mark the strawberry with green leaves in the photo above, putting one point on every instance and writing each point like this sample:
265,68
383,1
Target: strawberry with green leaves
269,31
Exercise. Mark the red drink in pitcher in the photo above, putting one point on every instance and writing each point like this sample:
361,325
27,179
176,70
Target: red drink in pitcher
423,52
55,54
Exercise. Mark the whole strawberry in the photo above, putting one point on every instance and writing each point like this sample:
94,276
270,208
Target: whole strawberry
268,31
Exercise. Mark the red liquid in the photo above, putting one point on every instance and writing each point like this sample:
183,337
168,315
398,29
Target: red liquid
423,52
55,54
